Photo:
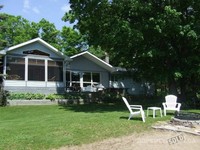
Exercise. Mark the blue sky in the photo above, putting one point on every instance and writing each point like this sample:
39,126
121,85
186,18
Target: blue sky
35,10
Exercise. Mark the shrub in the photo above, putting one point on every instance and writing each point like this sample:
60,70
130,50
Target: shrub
27,96
3,97
109,97
16,96
51,97
39,96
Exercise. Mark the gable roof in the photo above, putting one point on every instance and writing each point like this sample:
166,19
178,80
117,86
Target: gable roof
43,43
95,59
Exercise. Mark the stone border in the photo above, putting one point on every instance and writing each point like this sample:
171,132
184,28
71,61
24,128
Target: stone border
46,102
31,102
185,122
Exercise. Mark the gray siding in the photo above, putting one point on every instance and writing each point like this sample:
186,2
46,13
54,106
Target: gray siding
34,46
83,64
105,79
134,88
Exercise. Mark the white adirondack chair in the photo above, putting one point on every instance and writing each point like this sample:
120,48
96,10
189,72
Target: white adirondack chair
138,110
171,104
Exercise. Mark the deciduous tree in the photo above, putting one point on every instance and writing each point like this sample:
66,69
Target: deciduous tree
158,38
16,30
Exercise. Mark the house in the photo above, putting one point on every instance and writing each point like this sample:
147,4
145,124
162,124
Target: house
36,66
88,72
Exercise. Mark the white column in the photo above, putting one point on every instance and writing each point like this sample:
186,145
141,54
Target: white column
81,80
4,67
26,70
4,70
46,72
64,74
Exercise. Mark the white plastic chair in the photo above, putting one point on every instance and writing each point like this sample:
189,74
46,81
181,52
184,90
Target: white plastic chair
171,104
138,108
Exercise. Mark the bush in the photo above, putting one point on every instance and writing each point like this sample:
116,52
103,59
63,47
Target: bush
30,96
3,97
51,97
27,96
110,97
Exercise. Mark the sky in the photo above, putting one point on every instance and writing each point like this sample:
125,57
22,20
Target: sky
35,10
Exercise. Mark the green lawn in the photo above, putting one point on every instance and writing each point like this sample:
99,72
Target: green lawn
47,127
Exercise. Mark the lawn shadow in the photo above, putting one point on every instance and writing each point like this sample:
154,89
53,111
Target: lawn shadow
132,119
95,108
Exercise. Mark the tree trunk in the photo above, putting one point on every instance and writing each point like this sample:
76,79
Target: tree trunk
172,86
183,89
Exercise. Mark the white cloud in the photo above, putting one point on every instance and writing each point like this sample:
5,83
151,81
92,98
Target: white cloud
36,10
66,8
27,8
26,4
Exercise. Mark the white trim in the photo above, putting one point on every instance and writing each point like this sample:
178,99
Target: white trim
16,83
43,43
4,66
64,74
26,69
46,71
21,83
81,80
36,84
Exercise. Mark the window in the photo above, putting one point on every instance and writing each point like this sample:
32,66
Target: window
96,78
68,79
89,78
15,68
36,70
73,80
55,71
35,52
75,76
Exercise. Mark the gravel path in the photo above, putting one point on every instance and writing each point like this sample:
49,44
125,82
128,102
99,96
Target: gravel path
155,140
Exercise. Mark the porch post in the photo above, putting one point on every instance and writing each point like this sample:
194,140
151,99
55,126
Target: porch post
26,70
64,74
46,72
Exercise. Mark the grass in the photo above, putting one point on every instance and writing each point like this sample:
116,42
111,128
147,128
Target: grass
47,127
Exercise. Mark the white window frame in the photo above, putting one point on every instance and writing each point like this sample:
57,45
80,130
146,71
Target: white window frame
81,80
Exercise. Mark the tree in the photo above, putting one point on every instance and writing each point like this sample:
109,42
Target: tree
3,42
16,30
72,41
159,39
48,32
97,51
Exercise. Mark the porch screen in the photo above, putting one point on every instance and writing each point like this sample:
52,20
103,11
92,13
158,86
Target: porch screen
55,71
15,68
36,70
